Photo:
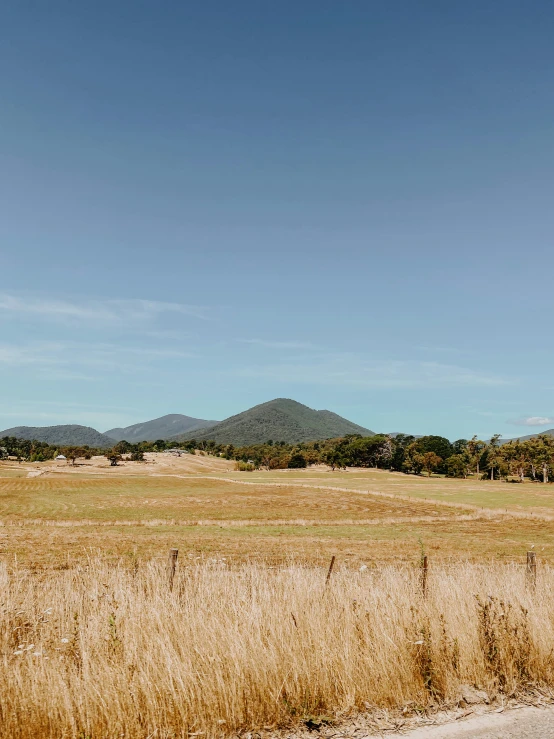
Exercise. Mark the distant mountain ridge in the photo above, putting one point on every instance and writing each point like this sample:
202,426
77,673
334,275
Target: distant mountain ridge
549,432
281,419
65,435
164,427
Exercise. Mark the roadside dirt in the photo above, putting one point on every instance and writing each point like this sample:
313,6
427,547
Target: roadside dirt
523,723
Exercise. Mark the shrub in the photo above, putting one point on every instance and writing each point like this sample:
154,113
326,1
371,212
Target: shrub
241,466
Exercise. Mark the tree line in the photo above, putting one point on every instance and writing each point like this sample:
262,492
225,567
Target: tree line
40,451
25,450
515,460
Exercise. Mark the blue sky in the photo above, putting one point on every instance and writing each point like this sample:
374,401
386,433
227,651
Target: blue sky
204,206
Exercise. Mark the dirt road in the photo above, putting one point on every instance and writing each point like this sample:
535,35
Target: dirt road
523,723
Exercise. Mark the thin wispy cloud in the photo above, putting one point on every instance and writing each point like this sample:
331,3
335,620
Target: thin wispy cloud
440,349
163,334
44,353
268,344
95,311
77,360
353,370
533,421
143,352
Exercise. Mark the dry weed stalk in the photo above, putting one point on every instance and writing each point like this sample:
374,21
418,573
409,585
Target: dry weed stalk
109,651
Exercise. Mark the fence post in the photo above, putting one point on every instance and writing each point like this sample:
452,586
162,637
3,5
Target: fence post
171,565
531,570
424,569
330,570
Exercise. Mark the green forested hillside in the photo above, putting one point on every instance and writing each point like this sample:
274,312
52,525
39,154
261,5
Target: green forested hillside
68,434
281,419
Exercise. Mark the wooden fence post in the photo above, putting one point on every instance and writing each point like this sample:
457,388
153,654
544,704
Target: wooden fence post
424,569
171,565
531,570
330,570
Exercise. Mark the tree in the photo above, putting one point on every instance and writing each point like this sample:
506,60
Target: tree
515,456
459,446
114,457
531,445
334,459
267,455
431,461
437,444
123,447
521,459
494,455
73,453
399,445
368,451
297,461
137,456
456,465
544,455
507,456
413,460
475,449
312,456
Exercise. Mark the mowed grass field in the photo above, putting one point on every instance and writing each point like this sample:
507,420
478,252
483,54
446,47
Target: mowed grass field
534,497
208,511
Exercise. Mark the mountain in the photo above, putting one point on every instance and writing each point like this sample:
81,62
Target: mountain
550,432
159,428
280,420
70,435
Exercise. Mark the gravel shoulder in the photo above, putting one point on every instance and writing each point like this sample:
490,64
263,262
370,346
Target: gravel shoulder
521,723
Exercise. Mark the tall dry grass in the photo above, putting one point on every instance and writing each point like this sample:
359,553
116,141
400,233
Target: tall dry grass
108,651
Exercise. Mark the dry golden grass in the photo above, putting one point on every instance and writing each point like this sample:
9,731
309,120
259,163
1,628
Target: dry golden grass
194,499
108,651
498,495
155,463
365,517
93,644
41,546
